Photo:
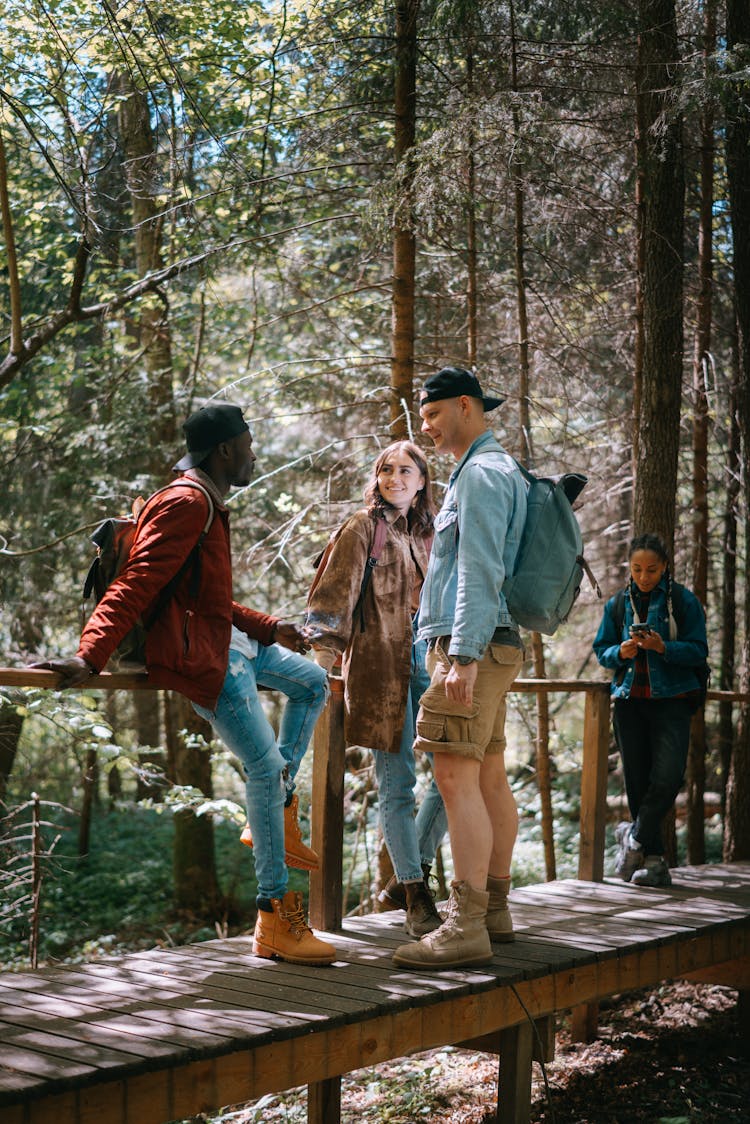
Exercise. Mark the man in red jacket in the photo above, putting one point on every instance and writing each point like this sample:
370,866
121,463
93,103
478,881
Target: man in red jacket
216,652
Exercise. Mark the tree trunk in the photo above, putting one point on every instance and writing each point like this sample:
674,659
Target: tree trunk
472,295
737,823
11,724
195,872
543,777
663,193
519,236
696,765
404,242
728,626
148,731
194,859
139,149
11,258
90,779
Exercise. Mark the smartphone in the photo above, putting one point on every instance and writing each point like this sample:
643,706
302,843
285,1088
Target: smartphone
639,630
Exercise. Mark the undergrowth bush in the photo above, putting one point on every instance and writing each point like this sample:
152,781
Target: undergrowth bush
120,896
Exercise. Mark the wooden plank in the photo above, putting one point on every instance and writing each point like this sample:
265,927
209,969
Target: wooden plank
323,989
193,1090
103,1104
81,1031
14,1115
733,973
240,1026
48,680
148,1097
21,1062
60,1109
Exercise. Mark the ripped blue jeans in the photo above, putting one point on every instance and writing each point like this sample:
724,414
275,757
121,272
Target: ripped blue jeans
410,842
270,764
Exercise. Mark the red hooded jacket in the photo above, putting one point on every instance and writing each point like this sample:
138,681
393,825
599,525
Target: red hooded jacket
187,647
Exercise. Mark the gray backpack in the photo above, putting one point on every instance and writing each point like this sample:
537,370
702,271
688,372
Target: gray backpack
549,565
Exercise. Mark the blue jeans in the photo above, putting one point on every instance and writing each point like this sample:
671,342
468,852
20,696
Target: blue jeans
410,842
653,736
270,764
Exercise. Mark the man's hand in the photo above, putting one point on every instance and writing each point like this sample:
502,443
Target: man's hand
459,682
72,671
291,636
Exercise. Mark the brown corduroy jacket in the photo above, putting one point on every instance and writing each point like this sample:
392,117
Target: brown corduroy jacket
377,661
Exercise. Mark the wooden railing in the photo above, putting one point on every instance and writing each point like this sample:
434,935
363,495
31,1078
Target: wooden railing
328,784
326,899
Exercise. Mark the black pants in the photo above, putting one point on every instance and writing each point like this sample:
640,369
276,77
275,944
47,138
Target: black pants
653,736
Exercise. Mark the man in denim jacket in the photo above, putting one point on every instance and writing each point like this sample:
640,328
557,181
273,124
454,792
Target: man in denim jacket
475,653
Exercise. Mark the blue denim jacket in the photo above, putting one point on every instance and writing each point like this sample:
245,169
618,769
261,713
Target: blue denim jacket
477,534
674,672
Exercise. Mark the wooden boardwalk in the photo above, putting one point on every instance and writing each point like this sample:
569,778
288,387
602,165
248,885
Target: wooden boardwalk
162,1035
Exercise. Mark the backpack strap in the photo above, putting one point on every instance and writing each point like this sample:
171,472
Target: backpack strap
193,560
378,542
618,610
676,599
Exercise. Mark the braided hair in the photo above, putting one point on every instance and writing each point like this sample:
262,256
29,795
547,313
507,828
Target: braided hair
656,545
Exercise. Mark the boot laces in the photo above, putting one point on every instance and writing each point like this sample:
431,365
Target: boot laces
297,923
451,919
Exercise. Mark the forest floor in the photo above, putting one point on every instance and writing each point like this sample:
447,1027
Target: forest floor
669,1056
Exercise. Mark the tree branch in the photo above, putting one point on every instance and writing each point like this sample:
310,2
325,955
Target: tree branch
26,350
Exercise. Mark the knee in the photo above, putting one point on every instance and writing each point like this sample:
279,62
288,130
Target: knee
267,767
318,687
449,780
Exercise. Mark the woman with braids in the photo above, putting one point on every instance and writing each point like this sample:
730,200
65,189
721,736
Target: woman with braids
653,637
383,667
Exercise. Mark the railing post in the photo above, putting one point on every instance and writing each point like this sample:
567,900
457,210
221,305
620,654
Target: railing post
584,1020
594,784
326,884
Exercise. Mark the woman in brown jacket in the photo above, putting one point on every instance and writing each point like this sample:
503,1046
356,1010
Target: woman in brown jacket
379,656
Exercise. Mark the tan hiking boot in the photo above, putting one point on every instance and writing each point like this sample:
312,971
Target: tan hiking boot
286,934
296,851
499,921
462,941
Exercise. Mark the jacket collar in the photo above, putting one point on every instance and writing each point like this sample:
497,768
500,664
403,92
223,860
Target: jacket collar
204,479
486,438
391,516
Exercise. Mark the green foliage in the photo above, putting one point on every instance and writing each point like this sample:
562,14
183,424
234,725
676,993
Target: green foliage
112,901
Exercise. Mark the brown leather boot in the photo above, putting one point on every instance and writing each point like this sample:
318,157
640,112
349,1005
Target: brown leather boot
393,894
285,934
296,851
499,921
421,914
460,942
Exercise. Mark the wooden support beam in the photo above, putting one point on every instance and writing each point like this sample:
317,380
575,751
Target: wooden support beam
514,1074
585,1018
324,1101
326,906
594,785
